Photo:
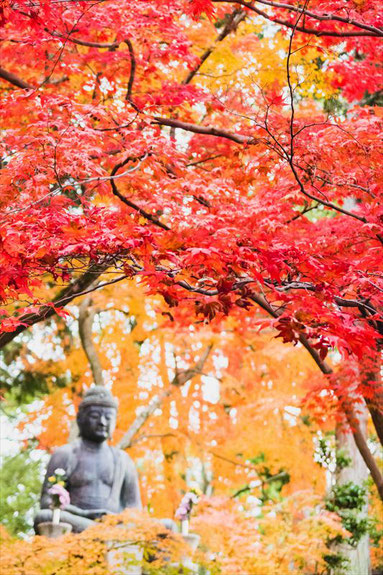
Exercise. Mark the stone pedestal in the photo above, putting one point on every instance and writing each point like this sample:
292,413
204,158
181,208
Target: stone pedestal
192,539
53,530
124,558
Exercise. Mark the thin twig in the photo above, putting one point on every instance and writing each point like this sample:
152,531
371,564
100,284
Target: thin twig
129,203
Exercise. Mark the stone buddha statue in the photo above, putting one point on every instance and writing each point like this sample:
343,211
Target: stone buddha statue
101,479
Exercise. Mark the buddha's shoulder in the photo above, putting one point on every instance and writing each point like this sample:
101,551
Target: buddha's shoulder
124,456
64,451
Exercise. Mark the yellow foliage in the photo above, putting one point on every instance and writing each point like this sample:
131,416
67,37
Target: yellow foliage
257,61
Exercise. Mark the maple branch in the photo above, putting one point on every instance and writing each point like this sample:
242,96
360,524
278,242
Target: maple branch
371,378
290,155
104,284
85,322
141,419
351,419
68,37
207,130
129,203
286,286
133,65
320,200
88,43
15,80
369,31
73,290
326,179
349,412
324,17
233,462
233,21
260,299
305,210
180,378
320,17
143,436
280,475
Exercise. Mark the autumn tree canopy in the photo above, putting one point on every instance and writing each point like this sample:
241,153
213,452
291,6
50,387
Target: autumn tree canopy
233,413
226,154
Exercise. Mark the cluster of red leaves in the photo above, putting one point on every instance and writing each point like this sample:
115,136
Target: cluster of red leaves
219,221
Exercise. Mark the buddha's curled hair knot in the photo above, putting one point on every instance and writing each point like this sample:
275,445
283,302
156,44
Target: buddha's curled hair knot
98,395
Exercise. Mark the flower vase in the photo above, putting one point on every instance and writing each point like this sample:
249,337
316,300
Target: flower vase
185,527
56,515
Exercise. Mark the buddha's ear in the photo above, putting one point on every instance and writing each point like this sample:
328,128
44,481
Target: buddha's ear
113,424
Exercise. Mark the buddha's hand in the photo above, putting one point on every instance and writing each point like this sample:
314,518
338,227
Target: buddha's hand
87,513
95,513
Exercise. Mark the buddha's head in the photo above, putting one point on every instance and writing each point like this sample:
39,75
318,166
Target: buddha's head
96,417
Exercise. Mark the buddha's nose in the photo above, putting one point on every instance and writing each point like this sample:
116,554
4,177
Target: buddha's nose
103,420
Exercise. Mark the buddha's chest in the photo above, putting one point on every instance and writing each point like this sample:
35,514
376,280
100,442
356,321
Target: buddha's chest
93,469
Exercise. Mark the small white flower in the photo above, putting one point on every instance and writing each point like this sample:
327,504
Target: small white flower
59,471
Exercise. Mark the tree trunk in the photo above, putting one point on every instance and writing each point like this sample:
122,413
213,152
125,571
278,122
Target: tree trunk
85,323
357,472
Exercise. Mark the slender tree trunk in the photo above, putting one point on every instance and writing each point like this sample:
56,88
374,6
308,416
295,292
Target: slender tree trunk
357,472
85,323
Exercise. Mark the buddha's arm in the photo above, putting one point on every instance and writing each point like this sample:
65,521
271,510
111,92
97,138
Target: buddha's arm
130,493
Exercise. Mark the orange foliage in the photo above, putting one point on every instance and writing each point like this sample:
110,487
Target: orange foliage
237,424
233,540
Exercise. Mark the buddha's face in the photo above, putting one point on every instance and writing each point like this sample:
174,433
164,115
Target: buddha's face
96,422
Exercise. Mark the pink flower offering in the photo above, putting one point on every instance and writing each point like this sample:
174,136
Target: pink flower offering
189,499
59,495
182,513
